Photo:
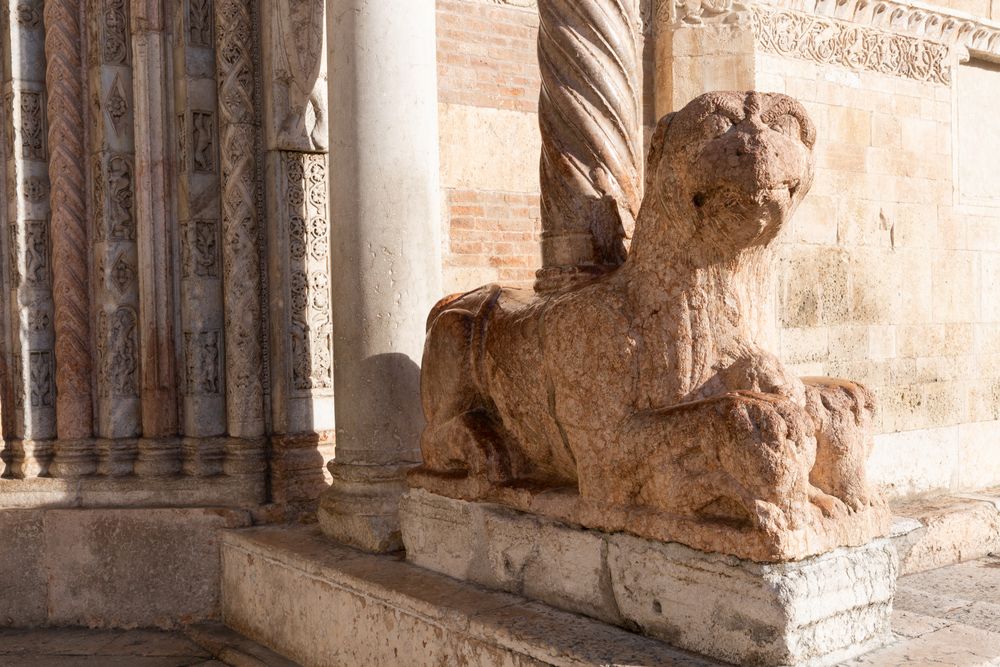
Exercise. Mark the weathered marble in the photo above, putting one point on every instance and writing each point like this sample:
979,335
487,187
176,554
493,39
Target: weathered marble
669,418
385,180
817,611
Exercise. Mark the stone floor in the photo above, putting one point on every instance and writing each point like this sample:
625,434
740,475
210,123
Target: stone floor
948,616
72,647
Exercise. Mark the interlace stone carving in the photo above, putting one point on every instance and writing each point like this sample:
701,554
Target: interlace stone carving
644,401
241,240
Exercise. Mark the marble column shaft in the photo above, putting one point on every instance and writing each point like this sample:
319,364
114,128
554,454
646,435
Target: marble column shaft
385,199
31,364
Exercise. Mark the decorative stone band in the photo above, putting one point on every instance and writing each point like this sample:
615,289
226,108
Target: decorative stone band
835,42
913,19
171,472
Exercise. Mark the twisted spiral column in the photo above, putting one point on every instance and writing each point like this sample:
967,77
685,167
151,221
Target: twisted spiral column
589,114
70,289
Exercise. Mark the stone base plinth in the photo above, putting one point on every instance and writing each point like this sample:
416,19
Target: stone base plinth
817,611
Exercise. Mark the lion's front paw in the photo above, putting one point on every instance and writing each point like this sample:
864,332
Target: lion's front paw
831,506
769,517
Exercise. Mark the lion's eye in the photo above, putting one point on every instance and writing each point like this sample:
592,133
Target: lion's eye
717,124
788,125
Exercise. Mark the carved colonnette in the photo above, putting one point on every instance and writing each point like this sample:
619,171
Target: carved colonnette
241,270
31,367
298,239
202,343
155,221
114,224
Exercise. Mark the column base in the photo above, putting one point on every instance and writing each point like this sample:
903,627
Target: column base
361,507
817,611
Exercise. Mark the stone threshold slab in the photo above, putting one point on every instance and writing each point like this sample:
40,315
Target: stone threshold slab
323,604
938,530
817,611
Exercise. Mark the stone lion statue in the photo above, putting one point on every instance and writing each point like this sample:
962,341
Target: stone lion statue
643,400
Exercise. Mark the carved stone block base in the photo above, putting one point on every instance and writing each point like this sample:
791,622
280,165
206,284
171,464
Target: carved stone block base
299,471
360,507
817,611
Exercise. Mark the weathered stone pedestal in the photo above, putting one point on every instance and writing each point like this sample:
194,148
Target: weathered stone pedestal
817,611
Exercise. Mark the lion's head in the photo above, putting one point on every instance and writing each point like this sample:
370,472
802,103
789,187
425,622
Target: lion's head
727,171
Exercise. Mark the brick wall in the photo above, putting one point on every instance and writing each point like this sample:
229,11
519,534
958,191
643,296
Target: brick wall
488,97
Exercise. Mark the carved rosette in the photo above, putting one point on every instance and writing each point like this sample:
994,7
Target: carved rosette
240,225
589,113
69,225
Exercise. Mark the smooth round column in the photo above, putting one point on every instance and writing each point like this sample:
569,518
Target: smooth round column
386,254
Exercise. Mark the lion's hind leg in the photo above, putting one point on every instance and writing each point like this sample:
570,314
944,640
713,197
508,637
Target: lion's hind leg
463,437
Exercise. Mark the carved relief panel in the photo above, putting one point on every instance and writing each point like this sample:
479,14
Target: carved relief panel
118,353
311,329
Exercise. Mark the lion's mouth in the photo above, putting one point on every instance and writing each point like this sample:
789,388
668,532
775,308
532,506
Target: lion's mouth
730,197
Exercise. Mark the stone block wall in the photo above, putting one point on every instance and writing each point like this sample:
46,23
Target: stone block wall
488,84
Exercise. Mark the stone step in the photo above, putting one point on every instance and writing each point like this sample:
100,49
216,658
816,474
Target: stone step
230,647
934,531
323,604
320,603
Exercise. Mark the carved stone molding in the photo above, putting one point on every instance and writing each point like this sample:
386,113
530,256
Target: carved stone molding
835,42
234,32
590,120
71,293
934,24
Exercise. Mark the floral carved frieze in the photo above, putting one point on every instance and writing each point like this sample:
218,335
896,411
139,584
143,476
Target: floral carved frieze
833,42
937,25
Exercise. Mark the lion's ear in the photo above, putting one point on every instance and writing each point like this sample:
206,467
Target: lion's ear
656,147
